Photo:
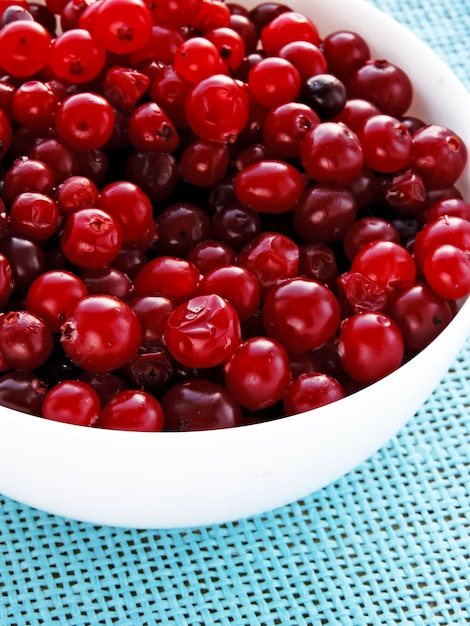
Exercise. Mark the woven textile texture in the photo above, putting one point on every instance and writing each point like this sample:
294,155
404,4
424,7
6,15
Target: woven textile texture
387,544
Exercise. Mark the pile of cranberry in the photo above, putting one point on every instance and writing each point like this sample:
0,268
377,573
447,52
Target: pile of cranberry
211,215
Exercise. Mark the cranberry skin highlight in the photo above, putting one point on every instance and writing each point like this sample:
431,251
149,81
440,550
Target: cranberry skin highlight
258,373
269,186
301,313
203,332
101,333
198,404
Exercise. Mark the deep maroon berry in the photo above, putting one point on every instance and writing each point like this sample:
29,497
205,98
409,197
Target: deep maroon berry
326,94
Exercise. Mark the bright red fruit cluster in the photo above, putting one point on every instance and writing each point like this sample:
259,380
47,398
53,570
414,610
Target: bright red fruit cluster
212,215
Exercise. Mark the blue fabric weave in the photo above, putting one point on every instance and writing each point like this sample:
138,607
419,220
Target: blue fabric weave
388,544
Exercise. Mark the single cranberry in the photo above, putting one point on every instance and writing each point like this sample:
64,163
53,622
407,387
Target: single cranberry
170,276
101,333
269,186
287,27
420,314
203,331
108,280
318,261
301,314
52,295
91,238
258,373
332,153
153,313
25,340
371,346
272,258
199,404
235,284
323,213
72,402
438,155
133,410
22,391
345,52
311,391
211,253
236,225
383,83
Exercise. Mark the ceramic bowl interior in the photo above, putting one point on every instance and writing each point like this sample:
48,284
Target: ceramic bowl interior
162,480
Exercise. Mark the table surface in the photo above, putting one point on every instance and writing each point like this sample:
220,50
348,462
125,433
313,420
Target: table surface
386,544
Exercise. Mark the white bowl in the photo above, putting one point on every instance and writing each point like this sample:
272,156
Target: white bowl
162,480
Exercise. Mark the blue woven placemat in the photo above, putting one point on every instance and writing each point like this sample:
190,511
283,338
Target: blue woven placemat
388,544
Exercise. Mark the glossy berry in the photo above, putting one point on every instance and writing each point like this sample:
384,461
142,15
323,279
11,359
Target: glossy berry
332,153
34,105
325,93
274,81
447,229
170,276
235,284
318,261
284,127
76,56
358,293
420,314
306,57
258,373
153,313
25,46
323,213
180,227
301,314
72,402
22,391
85,121
203,162
345,52
100,333
6,134
197,58
310,391
53,294
371,346
122,26
91,238
383,83
386,143
217,108
125,86
132,409
285,28
203,332
447,270
151,130
269,186
25,340
6,280
438,155
115,200
76,192
28,175
451,206
272,257
386,263
199,404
